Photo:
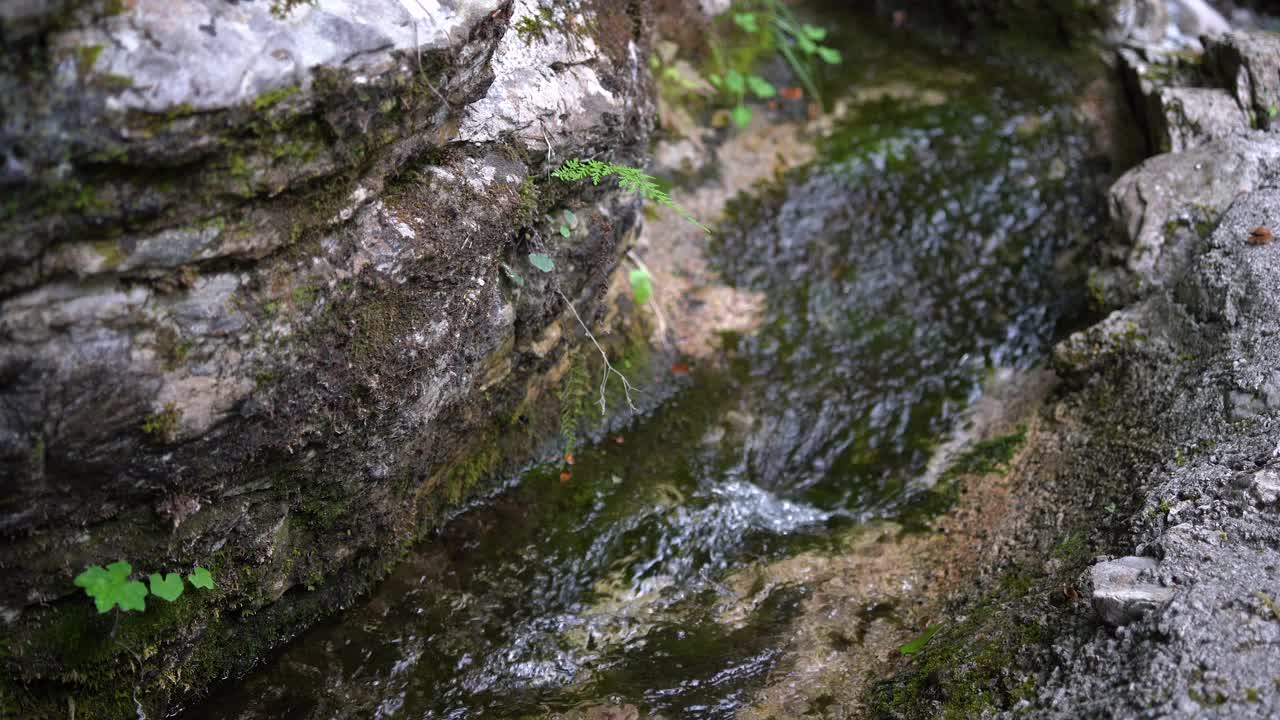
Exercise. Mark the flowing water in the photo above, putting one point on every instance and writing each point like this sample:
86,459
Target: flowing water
913,260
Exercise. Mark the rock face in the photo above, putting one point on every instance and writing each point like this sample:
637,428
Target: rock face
264,290
1192,348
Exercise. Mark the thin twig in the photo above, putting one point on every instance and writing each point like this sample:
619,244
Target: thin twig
608,367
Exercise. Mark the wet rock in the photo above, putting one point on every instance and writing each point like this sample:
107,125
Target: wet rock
261,298
1195,18
1124,590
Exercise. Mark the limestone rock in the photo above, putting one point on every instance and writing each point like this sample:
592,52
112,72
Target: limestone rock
1124,590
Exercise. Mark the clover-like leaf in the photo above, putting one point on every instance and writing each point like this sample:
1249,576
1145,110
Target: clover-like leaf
565,231
201,578
641,286
570,219
761,87
746,21
741,116
808,46
542,262
110,586
734,82
168,587
829,55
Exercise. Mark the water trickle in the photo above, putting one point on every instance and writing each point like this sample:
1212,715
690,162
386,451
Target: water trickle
909,264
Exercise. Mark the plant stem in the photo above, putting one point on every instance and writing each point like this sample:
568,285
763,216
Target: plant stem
608,367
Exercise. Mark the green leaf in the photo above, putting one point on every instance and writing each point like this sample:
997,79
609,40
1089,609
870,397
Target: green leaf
741,116
830,56
813,32
920,641
746,21
1274,111
110,586
132,596
515,276
808,46
201,578
734,82
168,587
570,218
761,87
542,262
564,231
715,80
641,286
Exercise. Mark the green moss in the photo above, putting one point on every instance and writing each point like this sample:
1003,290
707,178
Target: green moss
1072,549
971,666
535,27
172,347
269,99
86,58
303,296
110,252
163,426
989,456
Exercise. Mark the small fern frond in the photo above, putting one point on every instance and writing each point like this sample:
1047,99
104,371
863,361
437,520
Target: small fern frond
629,179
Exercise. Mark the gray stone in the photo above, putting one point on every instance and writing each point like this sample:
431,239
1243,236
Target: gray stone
1124,590
1193,116
1248,66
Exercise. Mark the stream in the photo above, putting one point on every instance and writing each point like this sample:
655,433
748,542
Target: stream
919,256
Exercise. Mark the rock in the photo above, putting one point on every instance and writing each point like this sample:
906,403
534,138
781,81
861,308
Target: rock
266,267
1124,590
1190,117
1265,486
1248,65
1162,206
1195,18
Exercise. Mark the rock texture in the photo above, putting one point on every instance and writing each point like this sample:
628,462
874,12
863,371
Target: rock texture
265,302
1192,350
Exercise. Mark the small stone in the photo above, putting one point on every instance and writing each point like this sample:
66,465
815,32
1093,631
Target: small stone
1265,486
1121,595
1261,235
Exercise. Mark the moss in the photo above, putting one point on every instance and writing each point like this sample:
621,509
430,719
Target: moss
86,58
163,426
172,347
110,252
971,665
271,98
535,27
303,296
989,456
1072,549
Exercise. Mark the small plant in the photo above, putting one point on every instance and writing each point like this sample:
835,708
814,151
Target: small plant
737,84
797,42
570,222
110,587
629,179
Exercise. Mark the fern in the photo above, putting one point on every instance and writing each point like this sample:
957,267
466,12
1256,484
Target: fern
629,179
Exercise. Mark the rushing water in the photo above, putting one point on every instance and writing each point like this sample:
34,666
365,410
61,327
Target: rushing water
912,260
